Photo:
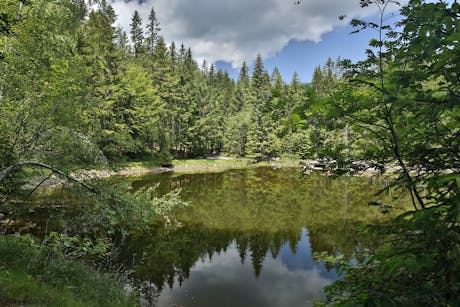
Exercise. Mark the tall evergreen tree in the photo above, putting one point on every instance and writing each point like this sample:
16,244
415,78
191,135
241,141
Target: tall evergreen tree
278,93
317,78
103,61
243,78
173,57
122,43
153,30
261,139
258,79
137,35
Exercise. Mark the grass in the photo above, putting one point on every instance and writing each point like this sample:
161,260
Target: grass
188,166
208,165
17,287
33,275
141,163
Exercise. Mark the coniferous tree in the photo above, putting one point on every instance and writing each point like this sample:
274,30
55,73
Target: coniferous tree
258,80
278,89
153,30
122,43
243,78
261,141
204,67
317,78
137,35
294,98
173,58
103,61
167,82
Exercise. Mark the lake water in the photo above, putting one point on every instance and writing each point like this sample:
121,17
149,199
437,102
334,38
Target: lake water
248,237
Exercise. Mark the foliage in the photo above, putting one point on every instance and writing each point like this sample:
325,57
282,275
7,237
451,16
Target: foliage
393,96
417,265
403,98
30,274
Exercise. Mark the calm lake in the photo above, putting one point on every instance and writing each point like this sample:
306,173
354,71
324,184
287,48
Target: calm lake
248,237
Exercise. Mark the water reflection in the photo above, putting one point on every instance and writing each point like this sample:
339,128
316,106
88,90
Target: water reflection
191,266
248,238
226,281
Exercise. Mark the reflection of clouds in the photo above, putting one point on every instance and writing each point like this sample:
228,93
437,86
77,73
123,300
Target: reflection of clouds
302,259
227,282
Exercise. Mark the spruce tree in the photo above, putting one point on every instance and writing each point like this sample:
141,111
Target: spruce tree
243,78
137,35
260,132
258,80
166,81
242,90
106,119
317,78
173,58
278,92
122,43
153,30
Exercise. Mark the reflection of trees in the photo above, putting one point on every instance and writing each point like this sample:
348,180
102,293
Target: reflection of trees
260,210
166,255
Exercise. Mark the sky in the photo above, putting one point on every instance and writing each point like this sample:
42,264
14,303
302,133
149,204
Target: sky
290,36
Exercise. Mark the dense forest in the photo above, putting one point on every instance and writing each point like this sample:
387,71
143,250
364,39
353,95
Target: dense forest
78,92
72,79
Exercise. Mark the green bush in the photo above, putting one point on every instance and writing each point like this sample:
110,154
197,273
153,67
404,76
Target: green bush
30,274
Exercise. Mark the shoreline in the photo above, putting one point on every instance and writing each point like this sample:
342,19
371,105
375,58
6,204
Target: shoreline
209,165
189,166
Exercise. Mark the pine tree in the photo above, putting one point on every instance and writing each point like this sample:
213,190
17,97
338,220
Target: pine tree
243,78
317,78
294,96
204,67
182,52
278,93
137,36
277,81
167,82
106,117
173,58
242,90
258,80
122,43
211,73
153,30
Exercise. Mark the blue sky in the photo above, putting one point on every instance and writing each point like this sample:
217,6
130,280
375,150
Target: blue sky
228,32
304,56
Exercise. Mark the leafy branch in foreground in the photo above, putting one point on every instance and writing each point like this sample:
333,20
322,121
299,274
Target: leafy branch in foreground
416,266
404,97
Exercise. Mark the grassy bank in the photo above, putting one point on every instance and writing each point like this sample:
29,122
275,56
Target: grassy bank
33,275
181,166
211,165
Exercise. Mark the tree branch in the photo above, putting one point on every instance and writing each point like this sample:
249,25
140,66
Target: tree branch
369,84
12,168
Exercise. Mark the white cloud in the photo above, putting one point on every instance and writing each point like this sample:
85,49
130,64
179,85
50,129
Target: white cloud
237,30
226,281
